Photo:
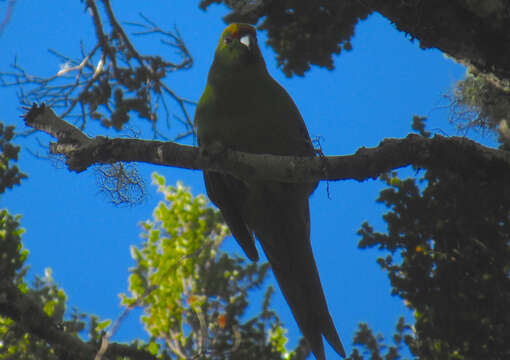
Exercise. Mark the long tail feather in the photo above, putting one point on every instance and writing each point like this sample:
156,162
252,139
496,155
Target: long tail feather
284,232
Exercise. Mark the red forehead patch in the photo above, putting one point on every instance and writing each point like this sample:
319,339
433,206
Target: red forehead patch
237,30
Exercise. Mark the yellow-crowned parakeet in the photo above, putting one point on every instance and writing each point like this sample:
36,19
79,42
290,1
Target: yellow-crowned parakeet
243,108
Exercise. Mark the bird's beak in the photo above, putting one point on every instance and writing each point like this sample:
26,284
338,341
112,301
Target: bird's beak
246,41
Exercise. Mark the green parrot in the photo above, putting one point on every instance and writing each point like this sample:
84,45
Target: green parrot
243,108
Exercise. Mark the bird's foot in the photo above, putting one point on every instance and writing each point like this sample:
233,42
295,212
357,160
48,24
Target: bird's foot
213,150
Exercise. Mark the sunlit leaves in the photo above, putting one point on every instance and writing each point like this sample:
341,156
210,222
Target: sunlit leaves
194,294
12,254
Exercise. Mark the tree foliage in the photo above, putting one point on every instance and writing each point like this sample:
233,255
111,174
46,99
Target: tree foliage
447,240
304,32
195,295
15,341
369,345
10,175
448,245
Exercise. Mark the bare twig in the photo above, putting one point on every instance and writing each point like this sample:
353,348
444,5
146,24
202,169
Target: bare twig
105,340
113,80
121,182
7,16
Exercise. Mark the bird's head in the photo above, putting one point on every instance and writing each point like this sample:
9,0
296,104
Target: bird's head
238,48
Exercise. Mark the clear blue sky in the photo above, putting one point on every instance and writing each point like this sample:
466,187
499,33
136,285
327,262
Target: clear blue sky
372,95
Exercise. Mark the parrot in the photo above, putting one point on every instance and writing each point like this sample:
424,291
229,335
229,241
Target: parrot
244,109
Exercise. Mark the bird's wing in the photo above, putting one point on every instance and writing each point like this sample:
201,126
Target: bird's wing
286,243
228,194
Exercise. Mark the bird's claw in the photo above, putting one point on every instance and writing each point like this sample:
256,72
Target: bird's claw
213,150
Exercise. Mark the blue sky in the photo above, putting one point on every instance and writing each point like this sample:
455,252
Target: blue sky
372,95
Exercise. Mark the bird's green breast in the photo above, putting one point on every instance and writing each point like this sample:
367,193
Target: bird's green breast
252,115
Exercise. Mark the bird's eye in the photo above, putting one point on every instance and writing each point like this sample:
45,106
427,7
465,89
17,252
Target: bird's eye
228,40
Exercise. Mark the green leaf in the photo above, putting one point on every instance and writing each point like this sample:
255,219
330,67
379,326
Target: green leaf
102,325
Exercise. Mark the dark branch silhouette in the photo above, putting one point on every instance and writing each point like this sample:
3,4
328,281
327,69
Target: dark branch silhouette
22,308
111,81
457,154
474,33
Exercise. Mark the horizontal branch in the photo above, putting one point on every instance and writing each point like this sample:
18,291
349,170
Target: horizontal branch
457,154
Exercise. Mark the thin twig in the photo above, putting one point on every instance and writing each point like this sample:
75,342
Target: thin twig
8,14
105,339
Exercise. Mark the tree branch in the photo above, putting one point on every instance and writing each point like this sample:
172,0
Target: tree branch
457,154
472,32
21,308
7,16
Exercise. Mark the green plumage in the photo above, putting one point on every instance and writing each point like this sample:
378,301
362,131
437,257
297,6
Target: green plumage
243,108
